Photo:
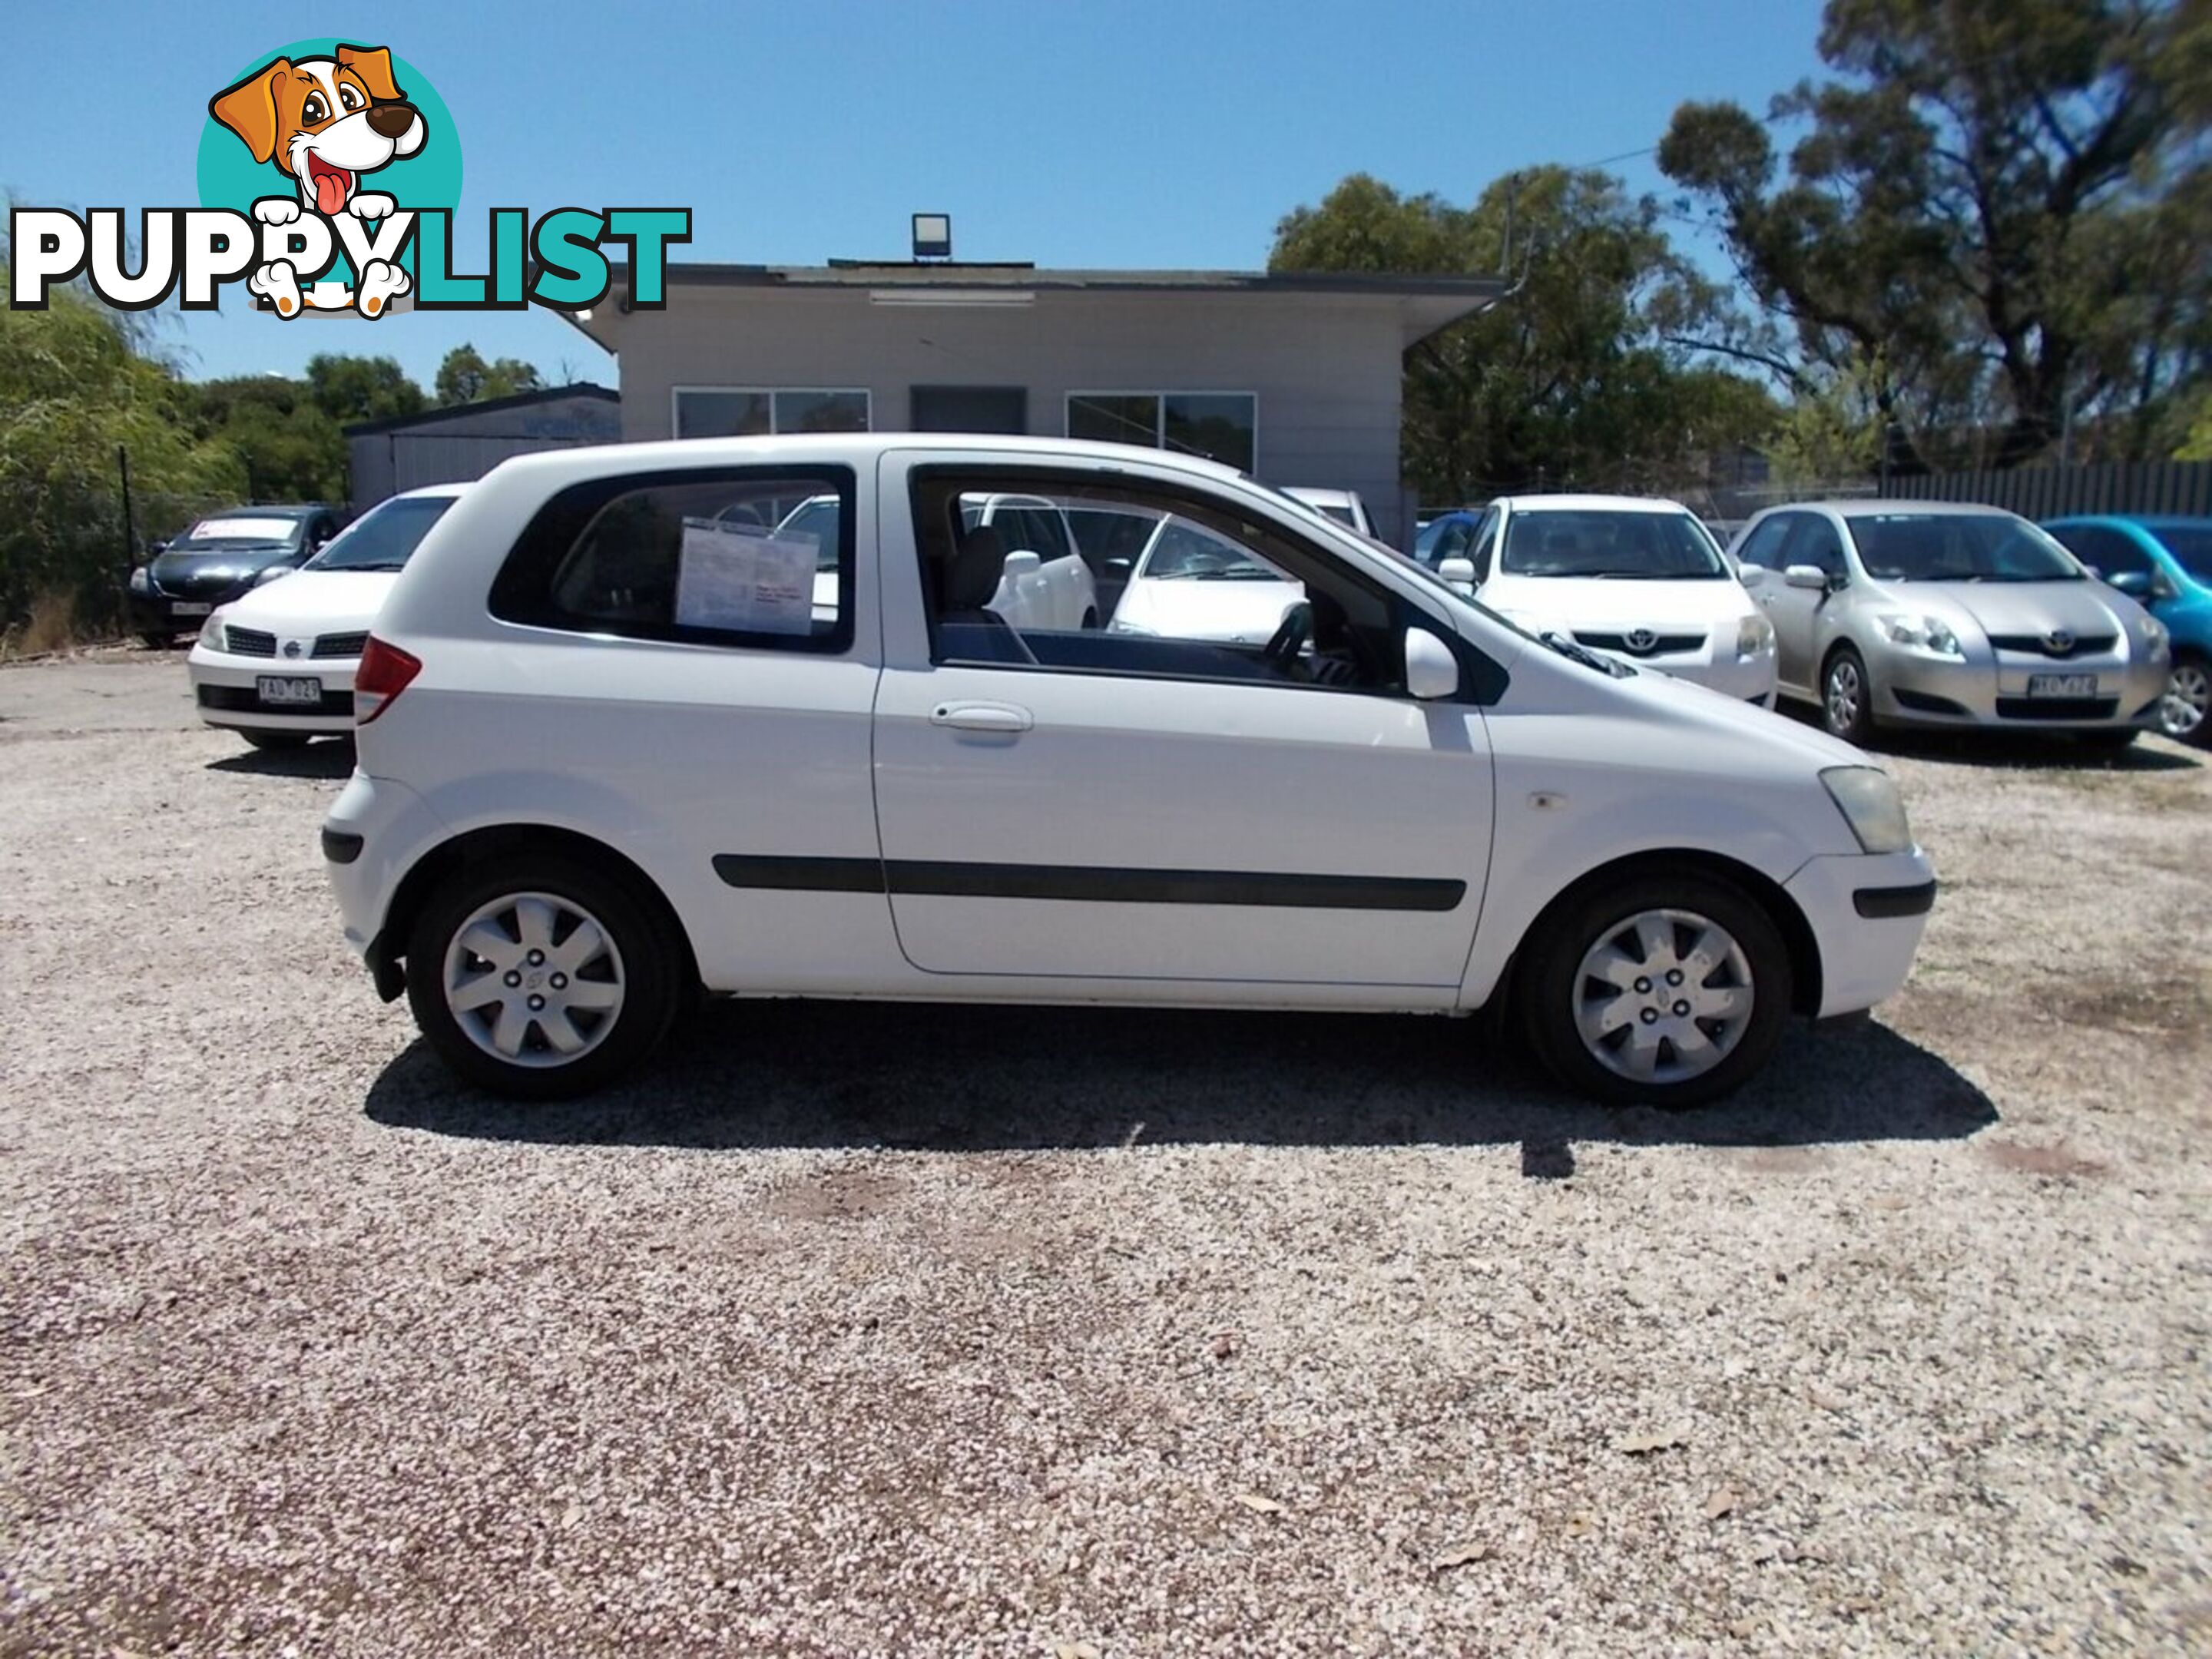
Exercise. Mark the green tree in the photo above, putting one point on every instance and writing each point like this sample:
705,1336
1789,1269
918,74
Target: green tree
289,449
76,385
350,389
465,377
2003,201
1575,377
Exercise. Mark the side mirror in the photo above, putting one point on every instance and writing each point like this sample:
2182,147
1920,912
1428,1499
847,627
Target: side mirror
1023,564
154,550
1751,576
1807,575
1117,567
1458,575
1432,671
2135,583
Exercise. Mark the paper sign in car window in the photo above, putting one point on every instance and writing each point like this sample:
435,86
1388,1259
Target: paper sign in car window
244,530
747,581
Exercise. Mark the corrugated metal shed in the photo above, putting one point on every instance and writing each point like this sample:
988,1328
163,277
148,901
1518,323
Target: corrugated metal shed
452,445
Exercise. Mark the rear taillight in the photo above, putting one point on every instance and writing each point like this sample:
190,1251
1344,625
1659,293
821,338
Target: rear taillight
385,670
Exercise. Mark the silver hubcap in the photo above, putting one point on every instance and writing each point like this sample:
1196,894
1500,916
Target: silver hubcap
1664,996
2188,696
1844,692
534,980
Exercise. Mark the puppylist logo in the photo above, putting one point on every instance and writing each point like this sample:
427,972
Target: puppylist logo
329,174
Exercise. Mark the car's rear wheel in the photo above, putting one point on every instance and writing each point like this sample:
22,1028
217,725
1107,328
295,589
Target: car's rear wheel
540,978
1847,697
275,739
2185,714
1660,990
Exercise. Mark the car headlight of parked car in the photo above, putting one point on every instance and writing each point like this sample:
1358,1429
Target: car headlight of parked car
1753,635
2157,642
142,581
1922,633
1867,797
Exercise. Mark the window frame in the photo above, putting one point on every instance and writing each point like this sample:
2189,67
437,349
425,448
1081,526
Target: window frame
675,395
520,595
1482,680
1159,396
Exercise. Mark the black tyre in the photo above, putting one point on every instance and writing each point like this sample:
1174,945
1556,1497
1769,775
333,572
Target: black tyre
1657,990
1847,697
157,642
538,978
275,739
2186,713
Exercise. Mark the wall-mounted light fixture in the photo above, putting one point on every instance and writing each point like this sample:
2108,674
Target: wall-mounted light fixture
932,236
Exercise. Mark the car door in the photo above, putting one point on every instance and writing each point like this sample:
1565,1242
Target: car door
1774,544
1103,805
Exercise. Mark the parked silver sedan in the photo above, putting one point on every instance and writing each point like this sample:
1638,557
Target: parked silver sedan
1931,614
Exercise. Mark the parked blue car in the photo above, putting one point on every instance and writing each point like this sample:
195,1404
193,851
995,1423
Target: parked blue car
2165,565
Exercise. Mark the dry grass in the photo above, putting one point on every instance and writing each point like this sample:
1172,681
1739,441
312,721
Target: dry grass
53,625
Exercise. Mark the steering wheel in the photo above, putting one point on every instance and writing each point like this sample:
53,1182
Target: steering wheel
1290,636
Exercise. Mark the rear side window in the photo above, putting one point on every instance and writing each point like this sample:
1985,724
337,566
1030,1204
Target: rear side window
752,557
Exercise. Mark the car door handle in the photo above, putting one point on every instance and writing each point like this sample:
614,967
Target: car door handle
981,717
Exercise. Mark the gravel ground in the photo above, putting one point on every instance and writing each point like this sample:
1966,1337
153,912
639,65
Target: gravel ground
861,1330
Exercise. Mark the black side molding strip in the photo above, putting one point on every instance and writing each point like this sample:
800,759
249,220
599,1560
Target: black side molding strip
340,848
1880,903
1083,885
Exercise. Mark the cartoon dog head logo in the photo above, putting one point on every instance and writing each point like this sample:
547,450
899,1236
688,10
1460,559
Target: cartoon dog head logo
326,122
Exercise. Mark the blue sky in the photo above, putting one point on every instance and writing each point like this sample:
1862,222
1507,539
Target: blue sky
1107,133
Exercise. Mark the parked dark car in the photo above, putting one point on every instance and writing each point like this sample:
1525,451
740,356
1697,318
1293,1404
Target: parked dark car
219,558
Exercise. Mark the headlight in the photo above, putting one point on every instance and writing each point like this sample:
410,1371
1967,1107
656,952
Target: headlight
1753,635
142,581
1867,799
2156,640
1923,633
211,630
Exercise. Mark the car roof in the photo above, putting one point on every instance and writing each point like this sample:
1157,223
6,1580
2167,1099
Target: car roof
1588,504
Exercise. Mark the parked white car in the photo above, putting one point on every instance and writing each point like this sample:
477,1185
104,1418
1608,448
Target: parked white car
1043,581
1639,577
604,762
1190,584
1344,506
277,665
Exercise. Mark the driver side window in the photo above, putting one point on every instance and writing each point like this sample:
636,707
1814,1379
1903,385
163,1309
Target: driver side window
1210,594
1816,543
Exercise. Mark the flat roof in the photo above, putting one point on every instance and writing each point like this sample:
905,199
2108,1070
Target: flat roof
1426,303
551,394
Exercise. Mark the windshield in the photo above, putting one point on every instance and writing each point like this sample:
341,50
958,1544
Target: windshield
239,533
2191,545
1183,552
1599,542
1958,547
383,538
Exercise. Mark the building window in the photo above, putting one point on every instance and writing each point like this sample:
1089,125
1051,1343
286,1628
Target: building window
717,411
1222,426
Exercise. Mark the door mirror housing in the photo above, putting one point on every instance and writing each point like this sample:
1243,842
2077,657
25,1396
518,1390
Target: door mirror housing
1805,576
1117,567
1458,575
1432,671
1751,576
1023,563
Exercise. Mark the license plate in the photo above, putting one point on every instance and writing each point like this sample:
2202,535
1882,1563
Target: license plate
180,609
2061,685
288,689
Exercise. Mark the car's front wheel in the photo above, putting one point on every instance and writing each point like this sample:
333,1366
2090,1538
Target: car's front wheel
1660,990
2185,714
275,739
540,978
153,640
1847,698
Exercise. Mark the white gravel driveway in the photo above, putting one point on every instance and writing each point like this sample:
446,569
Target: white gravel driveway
874,1330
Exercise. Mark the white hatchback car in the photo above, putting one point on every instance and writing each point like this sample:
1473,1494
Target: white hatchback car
1190,584
1630,575
277,665
606,760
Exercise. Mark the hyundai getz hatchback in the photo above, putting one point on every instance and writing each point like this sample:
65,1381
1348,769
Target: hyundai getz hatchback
618,741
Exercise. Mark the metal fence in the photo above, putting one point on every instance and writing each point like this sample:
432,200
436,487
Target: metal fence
2179,489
